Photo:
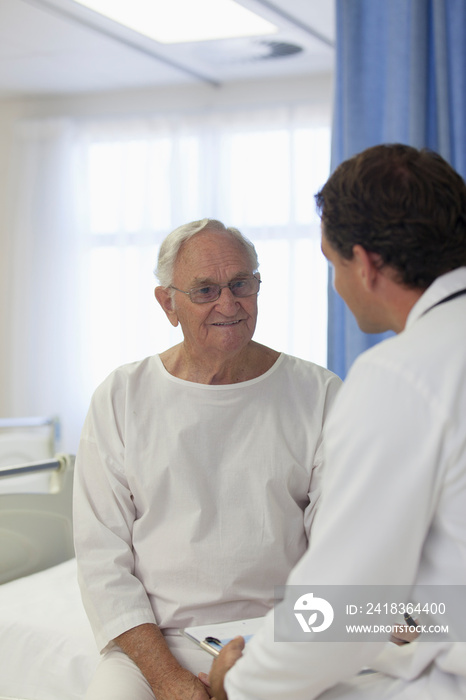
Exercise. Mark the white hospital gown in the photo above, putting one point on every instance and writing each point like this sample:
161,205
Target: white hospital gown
193,501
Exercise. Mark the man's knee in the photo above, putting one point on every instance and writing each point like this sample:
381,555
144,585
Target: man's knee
118,678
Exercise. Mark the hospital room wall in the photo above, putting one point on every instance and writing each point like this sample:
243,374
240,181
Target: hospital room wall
183,98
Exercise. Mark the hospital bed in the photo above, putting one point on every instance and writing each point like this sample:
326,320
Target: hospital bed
47,650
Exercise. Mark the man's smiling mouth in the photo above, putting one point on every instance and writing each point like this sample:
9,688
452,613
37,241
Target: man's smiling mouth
228,323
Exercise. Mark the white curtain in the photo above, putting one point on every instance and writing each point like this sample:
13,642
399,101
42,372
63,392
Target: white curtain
95,199
43,344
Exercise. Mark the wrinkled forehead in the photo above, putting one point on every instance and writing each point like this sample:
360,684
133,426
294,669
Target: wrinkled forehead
210,253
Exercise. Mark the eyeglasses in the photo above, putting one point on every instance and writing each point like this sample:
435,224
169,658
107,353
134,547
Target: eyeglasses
241,287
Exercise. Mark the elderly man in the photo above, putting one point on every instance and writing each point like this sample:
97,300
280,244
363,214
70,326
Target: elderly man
394,231
197,474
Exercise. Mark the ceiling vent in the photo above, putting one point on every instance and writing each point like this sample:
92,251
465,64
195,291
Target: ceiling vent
236,51
278,49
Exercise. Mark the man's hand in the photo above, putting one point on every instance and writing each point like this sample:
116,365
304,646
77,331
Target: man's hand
147,647
401,635
227,658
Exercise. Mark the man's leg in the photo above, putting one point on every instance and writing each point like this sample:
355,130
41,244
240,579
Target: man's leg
118,678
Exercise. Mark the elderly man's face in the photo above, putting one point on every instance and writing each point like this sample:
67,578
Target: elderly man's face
227,324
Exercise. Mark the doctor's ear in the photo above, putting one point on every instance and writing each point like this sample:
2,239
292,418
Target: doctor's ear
164,297
368,265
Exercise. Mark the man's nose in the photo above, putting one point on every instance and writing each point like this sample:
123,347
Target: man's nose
227,299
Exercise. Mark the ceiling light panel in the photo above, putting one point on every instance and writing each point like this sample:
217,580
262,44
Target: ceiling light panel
178,21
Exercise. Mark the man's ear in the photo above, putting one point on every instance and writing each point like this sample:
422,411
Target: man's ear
164,297
368,265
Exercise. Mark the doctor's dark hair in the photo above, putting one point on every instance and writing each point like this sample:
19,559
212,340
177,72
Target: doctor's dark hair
173,242
406,205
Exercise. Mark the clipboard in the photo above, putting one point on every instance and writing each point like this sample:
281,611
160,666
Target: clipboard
213,637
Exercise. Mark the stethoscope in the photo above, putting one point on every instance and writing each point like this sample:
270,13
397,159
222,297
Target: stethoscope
448,298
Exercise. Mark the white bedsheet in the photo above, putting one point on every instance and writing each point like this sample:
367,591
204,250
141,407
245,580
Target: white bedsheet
47,650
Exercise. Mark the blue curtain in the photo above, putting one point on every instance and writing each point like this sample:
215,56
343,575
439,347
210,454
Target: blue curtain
400,77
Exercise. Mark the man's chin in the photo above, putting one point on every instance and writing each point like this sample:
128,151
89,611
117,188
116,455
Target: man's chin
372,325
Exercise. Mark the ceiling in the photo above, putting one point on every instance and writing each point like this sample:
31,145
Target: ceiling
52,47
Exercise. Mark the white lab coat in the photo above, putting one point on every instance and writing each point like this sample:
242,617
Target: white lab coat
393,511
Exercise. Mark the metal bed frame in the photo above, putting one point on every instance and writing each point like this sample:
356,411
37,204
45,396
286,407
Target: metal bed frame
36,530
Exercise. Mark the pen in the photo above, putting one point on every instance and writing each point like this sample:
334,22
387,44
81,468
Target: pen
212,645
409,620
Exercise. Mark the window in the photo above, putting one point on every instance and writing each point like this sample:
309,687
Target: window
256,171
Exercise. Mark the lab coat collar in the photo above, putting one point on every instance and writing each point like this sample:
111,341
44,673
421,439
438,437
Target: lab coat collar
441,288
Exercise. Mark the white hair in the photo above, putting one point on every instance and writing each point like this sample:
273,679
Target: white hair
171,246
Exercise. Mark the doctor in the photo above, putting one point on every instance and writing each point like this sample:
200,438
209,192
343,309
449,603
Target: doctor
394,231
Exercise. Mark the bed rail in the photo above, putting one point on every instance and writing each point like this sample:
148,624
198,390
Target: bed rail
28,422
51,422
36,529
56,464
